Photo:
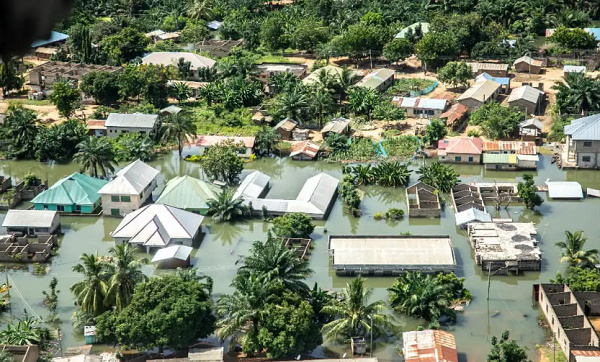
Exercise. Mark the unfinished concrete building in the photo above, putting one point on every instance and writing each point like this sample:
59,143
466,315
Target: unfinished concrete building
423,201
505,247
566,314
15,249
465,197
490,191
43,76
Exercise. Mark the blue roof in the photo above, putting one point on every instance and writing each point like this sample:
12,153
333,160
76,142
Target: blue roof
55,36
500,80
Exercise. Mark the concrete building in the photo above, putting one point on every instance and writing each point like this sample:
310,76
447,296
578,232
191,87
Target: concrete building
493,69
479,94
119,123
129,190
391,254
74,194
286,128
379,80
31,222
267,70
582,144
423,201
174,256
429,346
305,150
498,161
566,313
244,145
421,107
510,155
159,226
527,64
465,197
339,125
471,215
527,99
96,127
505,247
460,150
503,81
531,130
166,59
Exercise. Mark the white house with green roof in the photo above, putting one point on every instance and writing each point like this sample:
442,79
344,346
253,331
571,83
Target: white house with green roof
189,193
379,79
75,194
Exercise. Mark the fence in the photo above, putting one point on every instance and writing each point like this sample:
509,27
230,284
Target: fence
422,92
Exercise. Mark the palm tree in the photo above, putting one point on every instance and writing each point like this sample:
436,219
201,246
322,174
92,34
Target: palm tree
418,295
362,174
226,208
391,174
273,261
199,9
181,92
22,130
326,81
354,314
125,274
322,103
178,127
265,140
91,291
344,80
95,153
578,92
363,101
573,253
292,103
24,332
437,175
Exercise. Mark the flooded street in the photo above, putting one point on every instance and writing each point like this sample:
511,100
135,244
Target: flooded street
509,306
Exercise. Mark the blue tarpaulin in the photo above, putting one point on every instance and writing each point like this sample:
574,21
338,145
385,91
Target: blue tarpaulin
55,37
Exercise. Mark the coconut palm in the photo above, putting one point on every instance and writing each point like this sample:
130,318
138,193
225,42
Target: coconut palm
573,253
226,208
417,294
273,261
21,130
363,101
95,153
181,92
293,103
344,80
322,102
178,127
91,291
578,92
353,313
200,9
125,274
442,177
391,174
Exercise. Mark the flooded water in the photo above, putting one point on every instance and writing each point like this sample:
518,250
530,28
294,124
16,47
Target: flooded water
509,306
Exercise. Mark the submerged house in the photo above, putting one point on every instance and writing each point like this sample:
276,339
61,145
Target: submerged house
74,194
31,222
253,186
158,226
130,189
188,193
174,256
423,201
460,150
465,197
305,150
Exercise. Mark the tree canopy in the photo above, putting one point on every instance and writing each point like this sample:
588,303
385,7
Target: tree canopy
497,121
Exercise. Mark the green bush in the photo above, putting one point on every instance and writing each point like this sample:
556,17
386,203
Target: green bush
394,214
473,133
378,216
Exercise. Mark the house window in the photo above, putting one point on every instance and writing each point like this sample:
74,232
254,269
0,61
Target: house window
60,207
114,198
125,198
77,207
470,159
115,212
587,144
457,158
586,158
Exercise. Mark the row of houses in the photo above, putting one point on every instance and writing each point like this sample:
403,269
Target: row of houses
497,155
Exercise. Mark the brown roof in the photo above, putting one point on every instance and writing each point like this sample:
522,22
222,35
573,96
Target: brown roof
96,124
579,352
519,147
463,145
429,346
455,113
308,148
286,125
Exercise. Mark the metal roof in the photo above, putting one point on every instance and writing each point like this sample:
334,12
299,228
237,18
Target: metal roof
421,103
481,91
75,189
564,190
584,129
501,80
214,25
188,193
130,180
179,252
461,145
404,31
518,147
171,58
286,125
376,78
532,122
574,69
252,186
502,158
55,37
527,93
29,218
172,109
475,67
528,60
157,225
429,346
133,120
470,215
207,141
456,112
308,148
337,125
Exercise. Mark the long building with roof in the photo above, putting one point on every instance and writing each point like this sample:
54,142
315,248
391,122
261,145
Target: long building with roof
188,193
75,194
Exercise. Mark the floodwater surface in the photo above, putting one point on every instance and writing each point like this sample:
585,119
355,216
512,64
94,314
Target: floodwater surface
509,306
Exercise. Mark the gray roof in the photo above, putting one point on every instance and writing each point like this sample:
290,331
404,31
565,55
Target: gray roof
584,129
527,93
252,186
376,78
130,180
337,125
171,58
564,190
532,122
481,91
134,120
574,69
470,215
179,252
172,109
29,218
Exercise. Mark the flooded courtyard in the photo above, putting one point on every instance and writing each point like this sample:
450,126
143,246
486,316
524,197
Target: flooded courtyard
509,306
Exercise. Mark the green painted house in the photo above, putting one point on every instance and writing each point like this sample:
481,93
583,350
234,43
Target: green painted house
77,194
189,194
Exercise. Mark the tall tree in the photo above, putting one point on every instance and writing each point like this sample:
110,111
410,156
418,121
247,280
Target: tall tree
10,79
95,153
573,253
505,350
578,94
435,131
322,102
363,101
221,162
125,274
91,291
178,127
65,97
226,208
264,140
528,192
20,131
455,74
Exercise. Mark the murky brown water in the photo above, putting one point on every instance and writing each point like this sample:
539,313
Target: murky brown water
510,303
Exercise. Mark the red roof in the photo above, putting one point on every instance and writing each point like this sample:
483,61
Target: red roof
455,113
463,145
309,148
96,124
429,346
579,352
206,141
517,147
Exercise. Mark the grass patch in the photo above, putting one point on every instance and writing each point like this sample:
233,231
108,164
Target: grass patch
217,121
404,86
549,354
401,146
30,102
271,58
361,149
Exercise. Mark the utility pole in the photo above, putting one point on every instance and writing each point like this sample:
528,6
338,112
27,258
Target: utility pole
489,279
553,347
371,348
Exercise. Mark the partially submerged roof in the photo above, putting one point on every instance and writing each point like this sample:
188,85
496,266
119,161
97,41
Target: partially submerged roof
420,103
584,129
307,148
460,145
376,78
412,27
207,141
518,147
133,120
527,93
130,180
253,186
471,215
481,91
188,193
455,113
511,241
564,190
337,125
179,252
55,37
500,158
171,58
429,346
75,189
156,225
29,218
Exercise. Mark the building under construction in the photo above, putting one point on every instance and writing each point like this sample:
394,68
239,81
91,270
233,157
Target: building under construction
45,75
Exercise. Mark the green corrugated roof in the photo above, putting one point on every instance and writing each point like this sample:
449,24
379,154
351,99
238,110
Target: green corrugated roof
188,193
499,158
76,189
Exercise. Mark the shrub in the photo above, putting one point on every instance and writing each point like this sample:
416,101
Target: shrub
394,214
378,216
473,133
